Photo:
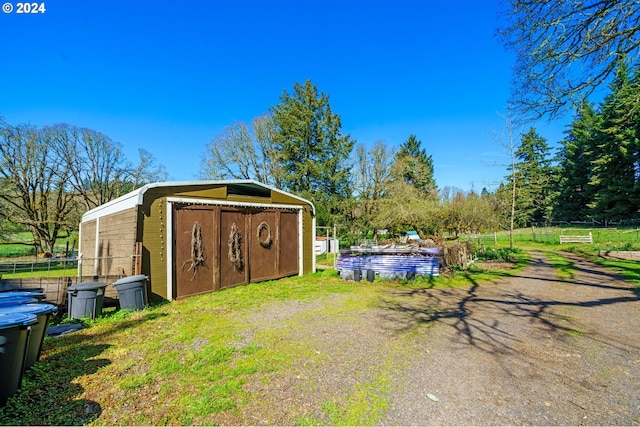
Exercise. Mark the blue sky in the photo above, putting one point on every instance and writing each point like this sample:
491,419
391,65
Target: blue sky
168,76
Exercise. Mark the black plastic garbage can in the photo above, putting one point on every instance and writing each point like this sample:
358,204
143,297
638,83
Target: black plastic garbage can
42,312
14,335
85,300
132,292
371,275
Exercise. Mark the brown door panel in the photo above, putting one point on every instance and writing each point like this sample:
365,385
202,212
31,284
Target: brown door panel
194,252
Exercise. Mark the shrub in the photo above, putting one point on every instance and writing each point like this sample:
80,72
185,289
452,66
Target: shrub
490,254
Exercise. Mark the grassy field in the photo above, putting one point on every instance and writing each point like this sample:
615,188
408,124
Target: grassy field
547,241
21,245
18,258
53,272
549,237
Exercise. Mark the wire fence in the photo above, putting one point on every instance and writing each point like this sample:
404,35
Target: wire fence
551,235
22,249
15,266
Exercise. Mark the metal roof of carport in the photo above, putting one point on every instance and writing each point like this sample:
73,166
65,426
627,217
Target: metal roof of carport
136,197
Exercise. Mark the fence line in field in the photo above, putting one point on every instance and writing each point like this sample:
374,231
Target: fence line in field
553,234
48,264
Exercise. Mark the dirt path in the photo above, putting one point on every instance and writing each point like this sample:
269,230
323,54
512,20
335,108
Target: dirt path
531,350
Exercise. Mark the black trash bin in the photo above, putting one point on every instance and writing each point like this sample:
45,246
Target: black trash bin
14,336
371,275
85,300
42,312
132,292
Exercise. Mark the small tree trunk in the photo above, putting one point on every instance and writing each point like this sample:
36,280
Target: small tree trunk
513,186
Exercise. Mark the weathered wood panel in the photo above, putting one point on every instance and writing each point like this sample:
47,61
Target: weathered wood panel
88,246
308,232
233,248
263,246
288,244
195,251
116,243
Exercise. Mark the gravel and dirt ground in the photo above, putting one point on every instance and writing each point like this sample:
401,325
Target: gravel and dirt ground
530,350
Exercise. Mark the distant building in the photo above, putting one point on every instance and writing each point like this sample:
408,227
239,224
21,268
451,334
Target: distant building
323,242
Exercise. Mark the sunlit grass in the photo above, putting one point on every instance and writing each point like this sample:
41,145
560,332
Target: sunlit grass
563,266
628,269
191,354
54,273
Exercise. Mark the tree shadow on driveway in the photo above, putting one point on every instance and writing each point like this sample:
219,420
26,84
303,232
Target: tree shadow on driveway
494,317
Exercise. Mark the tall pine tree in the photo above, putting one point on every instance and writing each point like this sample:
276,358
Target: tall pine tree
414,166
535,176
575,159
314,152
616,170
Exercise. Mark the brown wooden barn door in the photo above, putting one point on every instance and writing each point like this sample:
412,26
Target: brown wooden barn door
263,246
288,244
195,254
234,257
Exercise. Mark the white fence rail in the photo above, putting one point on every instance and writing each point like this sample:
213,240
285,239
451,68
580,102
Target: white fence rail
564,238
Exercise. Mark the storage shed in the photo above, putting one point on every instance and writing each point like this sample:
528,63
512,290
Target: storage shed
195,237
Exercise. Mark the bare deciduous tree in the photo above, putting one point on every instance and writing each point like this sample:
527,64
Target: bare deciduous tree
371,170
98,170
48,174
241,152
148,170
567,49
34,183
507,141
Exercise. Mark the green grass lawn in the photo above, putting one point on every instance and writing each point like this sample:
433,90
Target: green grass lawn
60,272
21,245
563,266
16,250
548,237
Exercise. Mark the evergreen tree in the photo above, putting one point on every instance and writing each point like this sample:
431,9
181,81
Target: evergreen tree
616,170
414,166
314,152
534,175
575,160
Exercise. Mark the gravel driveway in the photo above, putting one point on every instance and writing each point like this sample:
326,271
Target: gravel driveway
530,350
